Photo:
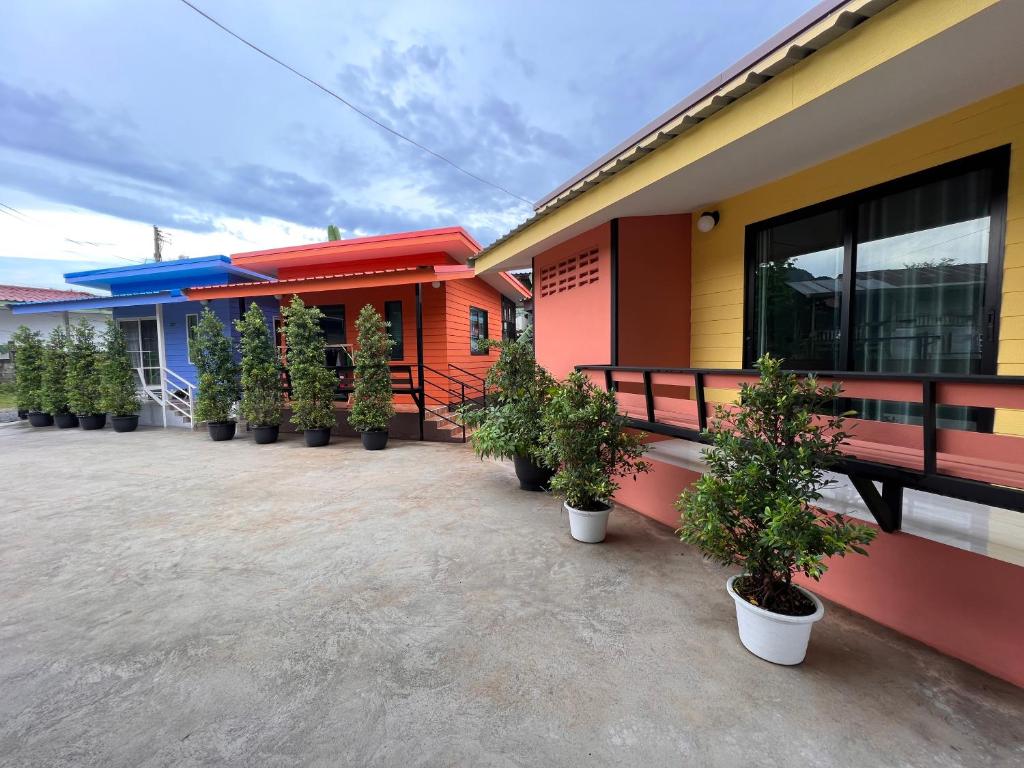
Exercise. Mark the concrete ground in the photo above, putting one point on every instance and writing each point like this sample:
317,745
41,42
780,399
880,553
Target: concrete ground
166,600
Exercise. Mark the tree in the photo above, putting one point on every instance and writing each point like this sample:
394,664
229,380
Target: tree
120,380
333,233
55,372
218,373
28,368
84,385
586,440
754,507
312,382
511,423
261,372
372,406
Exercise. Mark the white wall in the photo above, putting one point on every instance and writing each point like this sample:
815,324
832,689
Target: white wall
46,321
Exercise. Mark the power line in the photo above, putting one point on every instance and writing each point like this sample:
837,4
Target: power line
356,109
26,219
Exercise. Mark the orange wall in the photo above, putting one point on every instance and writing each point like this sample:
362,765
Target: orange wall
574,327
654,291
460,296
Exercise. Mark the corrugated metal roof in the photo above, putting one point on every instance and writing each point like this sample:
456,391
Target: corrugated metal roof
28,293
820,26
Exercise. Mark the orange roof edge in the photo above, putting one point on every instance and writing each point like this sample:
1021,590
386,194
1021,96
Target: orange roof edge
355,242
514,282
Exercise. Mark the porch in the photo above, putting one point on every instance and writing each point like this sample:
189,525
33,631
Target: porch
236,619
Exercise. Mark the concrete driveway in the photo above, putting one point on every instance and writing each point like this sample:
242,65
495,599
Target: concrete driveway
166,600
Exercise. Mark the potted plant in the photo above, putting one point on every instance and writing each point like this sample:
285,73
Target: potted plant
83,380
55,379
312,383
120,381
218,376
261,377
28,375
372,406
586,440
755,506
510,426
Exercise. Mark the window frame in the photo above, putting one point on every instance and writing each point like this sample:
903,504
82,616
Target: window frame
188,337
473,348
398,349
995,160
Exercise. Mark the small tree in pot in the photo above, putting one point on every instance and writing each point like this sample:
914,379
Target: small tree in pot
85,387
261,376
510,425
218,376
754,508
372,401
29,367
312,383
586,439
55,379
120,381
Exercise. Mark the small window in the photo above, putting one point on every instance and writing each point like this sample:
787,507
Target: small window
477,331
191,321
393,317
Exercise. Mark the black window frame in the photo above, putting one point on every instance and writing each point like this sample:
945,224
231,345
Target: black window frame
398,348
474,348
995,160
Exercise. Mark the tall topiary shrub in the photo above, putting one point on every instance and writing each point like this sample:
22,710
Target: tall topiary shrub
28,368
85,391
312,382
55,373
120,381
218,372
372,406
755,506
587,442
261,371
511,423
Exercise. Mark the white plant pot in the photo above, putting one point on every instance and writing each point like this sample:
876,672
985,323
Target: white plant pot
588,527
772,636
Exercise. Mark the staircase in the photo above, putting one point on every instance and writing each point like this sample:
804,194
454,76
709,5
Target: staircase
443,396
176,393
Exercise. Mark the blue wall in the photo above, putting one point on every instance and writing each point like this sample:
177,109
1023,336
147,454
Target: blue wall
175,339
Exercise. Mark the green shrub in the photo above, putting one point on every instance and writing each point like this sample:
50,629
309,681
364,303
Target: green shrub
519,390
312,383
372,406
120,380
261,372
55,372
85,391
587,442
754,508
28,368
218,373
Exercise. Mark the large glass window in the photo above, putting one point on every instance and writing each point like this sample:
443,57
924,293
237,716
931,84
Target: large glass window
333,325
141,339
894,279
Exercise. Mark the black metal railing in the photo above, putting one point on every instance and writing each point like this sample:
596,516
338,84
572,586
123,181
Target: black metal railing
998,479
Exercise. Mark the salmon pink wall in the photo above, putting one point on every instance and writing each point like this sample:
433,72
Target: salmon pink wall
574,326
961,603
460,295
654,291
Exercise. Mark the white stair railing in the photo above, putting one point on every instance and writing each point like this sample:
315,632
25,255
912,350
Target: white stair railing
175,392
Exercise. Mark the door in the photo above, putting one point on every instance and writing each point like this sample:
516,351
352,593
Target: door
140,335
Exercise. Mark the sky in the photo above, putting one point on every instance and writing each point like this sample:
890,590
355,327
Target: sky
117,115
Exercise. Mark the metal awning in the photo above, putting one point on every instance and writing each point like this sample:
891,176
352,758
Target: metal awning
100,302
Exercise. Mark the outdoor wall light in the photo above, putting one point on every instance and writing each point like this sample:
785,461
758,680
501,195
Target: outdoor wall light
707,221
436,284
278,296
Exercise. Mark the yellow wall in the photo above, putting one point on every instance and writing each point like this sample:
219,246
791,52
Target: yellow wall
895,30
718,260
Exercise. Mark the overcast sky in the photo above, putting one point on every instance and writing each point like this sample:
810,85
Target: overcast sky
119,114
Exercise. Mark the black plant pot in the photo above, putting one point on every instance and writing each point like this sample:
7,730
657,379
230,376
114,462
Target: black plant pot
66,420
40,419
376,440
532,477
318,437
221,430
125,423
22,414
92,420
265,435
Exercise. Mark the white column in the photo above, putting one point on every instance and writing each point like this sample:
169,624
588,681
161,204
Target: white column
162,354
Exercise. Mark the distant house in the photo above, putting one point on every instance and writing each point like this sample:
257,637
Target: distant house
43,322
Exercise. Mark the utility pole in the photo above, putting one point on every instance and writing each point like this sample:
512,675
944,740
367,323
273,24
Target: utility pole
159,238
